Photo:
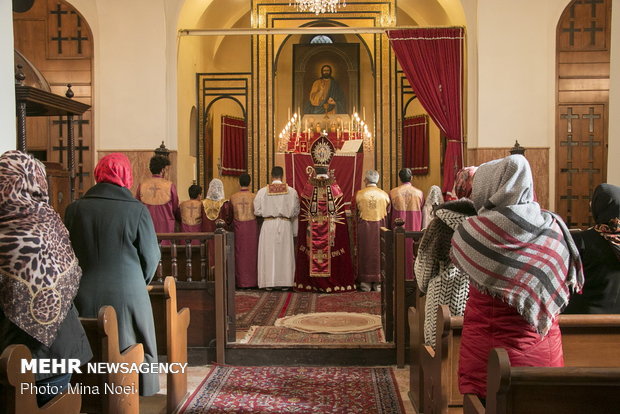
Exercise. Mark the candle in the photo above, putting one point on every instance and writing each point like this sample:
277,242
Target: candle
194,168
289,112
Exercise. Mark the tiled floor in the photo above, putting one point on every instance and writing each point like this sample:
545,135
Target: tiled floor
157,404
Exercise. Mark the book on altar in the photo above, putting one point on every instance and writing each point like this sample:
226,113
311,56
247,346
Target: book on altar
351,146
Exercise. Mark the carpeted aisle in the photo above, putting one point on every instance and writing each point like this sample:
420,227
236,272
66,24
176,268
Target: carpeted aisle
228,389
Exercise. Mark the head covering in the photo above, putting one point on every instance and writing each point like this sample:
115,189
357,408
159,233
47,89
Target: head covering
322,150
216,190
433,198
463,182
39,273
515,251
372,176
114,168
606,214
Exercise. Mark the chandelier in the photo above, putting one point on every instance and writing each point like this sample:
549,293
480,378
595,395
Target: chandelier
318,6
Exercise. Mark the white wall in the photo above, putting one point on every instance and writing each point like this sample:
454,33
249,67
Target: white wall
132,84
613,167
7,79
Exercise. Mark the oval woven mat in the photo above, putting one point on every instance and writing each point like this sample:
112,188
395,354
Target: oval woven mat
331,322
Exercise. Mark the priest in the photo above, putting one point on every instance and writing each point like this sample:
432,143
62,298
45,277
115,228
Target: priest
323,253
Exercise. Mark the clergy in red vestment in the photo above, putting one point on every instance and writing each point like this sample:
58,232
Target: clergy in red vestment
192,213
215,207
407,203
245,227
160,195
323,254
372,209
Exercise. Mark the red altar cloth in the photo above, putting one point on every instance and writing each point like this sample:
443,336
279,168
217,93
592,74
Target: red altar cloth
347,168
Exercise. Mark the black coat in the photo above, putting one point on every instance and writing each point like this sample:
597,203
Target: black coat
70,342
601,291
114,239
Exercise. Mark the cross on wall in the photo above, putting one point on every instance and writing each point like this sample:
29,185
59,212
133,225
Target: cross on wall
569,116
593,29
571,30
570,144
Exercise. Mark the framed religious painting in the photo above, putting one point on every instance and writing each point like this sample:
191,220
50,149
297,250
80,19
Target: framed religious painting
326,78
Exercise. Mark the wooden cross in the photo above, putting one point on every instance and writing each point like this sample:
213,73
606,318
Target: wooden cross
60,122
80,148
570,144
591,144
572,8
591,116
569,197
79,39
593,29
154,189
570,116
593,3
570,172
60,147
572,32
59,12
591,171
60,38
79,122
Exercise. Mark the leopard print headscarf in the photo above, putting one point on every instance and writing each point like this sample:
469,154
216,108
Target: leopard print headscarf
39,273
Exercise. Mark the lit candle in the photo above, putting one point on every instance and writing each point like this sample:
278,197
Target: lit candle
289,112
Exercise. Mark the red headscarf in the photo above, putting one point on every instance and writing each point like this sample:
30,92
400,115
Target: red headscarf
114,168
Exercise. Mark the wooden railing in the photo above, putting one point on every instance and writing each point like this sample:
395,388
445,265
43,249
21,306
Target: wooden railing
396,292
205,279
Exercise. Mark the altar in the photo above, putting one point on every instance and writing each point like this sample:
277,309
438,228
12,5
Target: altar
348,134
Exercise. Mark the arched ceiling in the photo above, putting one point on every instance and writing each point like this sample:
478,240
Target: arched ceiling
223,14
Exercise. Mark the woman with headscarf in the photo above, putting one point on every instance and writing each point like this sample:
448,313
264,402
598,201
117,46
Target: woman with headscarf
600,252
216,207
39,273
114,239
433,199
522,264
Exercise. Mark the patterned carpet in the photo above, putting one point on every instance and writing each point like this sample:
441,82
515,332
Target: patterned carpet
278,335
262,308
326,390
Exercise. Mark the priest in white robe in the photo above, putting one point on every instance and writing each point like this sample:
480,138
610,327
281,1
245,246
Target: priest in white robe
278,204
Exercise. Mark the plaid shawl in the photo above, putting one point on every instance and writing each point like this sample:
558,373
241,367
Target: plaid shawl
515,251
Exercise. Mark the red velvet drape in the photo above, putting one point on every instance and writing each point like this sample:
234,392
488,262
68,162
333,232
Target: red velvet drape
415,144
347,168
432,59
233,146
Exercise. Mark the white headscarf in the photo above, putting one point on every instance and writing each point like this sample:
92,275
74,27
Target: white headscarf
216,190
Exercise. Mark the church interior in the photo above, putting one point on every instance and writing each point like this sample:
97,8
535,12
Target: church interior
225,87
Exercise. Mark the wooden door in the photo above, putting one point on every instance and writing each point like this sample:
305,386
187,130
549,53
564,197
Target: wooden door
583,45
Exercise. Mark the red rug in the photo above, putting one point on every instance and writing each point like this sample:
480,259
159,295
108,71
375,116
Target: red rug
278,335
326,390
262,308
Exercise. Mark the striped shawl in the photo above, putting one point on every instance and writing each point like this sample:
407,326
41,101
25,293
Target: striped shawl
515,251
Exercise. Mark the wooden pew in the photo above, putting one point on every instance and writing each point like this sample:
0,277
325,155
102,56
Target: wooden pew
16,402
102,334
438,367
587,340
543,390
171,338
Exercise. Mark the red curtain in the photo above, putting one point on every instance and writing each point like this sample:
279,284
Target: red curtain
432,59
233,146
415,144
347,168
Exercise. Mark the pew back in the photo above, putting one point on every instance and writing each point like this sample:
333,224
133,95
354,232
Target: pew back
542,390
102,334
14,401
171,338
